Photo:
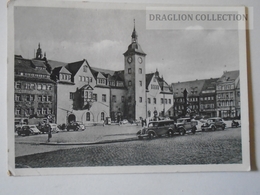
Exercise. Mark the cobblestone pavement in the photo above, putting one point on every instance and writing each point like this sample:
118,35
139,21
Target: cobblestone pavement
219,147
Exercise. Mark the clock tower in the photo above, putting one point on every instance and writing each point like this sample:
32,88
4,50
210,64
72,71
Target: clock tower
134,74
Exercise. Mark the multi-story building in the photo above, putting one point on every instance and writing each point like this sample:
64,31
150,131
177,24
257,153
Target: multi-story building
207,98
159,96
89,94
228,94
35,95
186,97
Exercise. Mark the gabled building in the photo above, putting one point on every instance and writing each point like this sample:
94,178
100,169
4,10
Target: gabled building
228,95
186,97
159,96
208,102
35,92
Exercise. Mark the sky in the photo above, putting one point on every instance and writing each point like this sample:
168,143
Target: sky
102,36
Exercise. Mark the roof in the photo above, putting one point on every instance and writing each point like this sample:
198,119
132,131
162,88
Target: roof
26,66
55,64
229,76
64,70
134,47
190,86
209,85
39,63
148,78
34,79
75,66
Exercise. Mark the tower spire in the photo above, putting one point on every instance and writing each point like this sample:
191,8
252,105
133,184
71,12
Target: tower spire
134,34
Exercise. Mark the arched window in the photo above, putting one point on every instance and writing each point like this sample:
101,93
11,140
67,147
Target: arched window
87,116
149,113
102,116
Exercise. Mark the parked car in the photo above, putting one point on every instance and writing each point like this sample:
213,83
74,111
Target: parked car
213,124
34,129
157,129
44,127
82,126
124,121
54,128
73,126
186,125
235,124
28,130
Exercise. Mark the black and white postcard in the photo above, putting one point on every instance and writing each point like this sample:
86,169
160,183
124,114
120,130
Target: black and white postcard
98,88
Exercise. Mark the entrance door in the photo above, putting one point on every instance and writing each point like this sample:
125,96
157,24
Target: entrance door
71,118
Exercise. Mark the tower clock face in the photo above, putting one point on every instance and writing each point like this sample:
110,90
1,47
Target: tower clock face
140,60
129,59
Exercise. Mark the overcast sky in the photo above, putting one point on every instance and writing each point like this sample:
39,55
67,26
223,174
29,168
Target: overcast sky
102,36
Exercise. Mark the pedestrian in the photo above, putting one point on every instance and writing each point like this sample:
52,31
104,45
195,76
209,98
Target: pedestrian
49,132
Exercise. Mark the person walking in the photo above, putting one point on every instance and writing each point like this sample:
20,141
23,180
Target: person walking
49,132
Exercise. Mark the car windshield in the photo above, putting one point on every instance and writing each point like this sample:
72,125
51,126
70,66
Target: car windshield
80,123
32,126
180,121
153,125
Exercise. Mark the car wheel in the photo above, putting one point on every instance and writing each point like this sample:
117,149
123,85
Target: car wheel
223,127
213,128
182,131
170,133
139,137
202,129
151,135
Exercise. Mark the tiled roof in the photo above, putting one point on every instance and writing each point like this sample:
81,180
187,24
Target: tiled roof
26,66
210,84
134,48
75,66
148,78
55,64
33,79
39,63
229,76
190,86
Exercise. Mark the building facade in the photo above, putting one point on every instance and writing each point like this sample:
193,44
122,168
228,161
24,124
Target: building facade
228,95
35,92
207,101
186,97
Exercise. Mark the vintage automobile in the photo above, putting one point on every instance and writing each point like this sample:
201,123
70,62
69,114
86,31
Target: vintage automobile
157,129
54,128
28,130
44,127
213,123
186,125
73,126
82,126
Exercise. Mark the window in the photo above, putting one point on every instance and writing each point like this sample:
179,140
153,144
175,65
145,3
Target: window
18,85
90,79
71,95
17,111
140,82
238,93
113,98
87,116
49,98
39,98
123,99
18,97
129,99
95,96
44,98
149,113
44,87
149,100
161,100
27,85
39,111
165,101
102,116
39,87
85,68
170,101
31,97
140,99
104,98
32,86
129,70
80,78
49,111
129,83
140,71
44,111
154,100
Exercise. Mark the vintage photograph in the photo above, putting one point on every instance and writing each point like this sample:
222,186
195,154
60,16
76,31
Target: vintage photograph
107,88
